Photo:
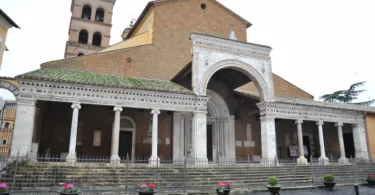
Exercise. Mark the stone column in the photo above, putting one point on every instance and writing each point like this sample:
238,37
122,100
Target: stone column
72,157
199,134
178,137
322,158
360,142
343,159
116,136
23,128
154,160
268,138
301,160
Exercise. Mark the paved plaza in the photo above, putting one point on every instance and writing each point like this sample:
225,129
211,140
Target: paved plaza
347,190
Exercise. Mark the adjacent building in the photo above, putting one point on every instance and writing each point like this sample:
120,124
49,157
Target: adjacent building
5,24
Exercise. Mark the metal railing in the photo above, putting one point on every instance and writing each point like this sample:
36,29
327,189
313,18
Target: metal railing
99,174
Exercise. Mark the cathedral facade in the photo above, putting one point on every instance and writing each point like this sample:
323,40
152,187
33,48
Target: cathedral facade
184,82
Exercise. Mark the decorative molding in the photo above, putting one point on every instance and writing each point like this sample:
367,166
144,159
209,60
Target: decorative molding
230,46
11,87
97,95
84,46
311,113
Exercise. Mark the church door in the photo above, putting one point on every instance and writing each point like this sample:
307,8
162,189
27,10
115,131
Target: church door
125,144
209,143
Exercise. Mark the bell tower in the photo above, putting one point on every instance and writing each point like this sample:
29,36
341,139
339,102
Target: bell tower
90,27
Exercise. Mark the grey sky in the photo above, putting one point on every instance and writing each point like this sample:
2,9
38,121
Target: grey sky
318,45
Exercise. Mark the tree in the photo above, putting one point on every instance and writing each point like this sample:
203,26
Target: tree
348,96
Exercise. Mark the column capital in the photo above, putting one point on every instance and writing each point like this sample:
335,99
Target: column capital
76,105
155,111
117,108
320,122
339,124
267,118
299,121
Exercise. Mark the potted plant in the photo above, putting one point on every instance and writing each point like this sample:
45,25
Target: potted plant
223,188
274,186
69,189
371,180
147,189
4,189
328,181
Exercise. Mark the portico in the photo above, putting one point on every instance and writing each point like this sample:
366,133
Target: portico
202,115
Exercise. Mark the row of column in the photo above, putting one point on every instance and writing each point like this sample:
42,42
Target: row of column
115,158
359,141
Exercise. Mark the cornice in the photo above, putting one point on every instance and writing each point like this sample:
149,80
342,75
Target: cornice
84,46
230,46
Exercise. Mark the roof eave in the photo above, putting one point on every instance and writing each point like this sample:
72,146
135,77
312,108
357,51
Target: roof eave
9,19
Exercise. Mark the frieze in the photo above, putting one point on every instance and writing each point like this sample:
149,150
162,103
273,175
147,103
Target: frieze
86,94
230,46
312,113
84,46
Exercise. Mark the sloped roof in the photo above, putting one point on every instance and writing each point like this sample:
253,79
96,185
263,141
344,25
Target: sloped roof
2,13
101,79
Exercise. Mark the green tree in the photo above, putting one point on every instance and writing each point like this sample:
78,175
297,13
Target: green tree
347,96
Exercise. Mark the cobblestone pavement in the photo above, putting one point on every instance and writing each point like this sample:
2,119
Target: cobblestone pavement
348,190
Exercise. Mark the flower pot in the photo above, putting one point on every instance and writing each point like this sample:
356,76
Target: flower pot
275,190
329,185
146,193
370,182
225,192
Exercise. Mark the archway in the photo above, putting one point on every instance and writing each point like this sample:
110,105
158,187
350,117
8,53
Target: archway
220,129
83,36
265,88
97,39
99,16
86,12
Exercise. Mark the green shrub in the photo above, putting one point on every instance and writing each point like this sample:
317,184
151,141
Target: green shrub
328,178
273,181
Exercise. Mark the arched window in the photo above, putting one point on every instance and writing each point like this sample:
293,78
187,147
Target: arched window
83,36
80,54
99,17
86,12
97,39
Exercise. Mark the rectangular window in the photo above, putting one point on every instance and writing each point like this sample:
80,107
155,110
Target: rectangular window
6,125
97,137
4,141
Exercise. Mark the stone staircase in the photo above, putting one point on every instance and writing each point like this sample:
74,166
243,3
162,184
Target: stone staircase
170,177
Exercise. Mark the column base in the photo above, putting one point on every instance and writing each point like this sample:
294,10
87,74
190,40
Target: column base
323,161
343,161
302,161
269,162
115,159
154,161
71,158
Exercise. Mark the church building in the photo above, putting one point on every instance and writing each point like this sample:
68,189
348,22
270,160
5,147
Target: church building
183,83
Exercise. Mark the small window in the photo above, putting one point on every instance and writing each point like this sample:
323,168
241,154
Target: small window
6,125
80,54
86,12
99,16
97,39
125,123
203,6
83,36
97,140
4,141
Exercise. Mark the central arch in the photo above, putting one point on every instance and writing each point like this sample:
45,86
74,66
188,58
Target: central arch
265,90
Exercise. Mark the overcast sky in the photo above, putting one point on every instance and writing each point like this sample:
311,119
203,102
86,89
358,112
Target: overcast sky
319,45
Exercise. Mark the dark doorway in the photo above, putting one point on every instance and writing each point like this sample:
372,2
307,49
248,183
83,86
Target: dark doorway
125,144
349,145
209,143
306,142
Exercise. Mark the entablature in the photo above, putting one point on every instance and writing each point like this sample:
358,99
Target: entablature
107,96
310,113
